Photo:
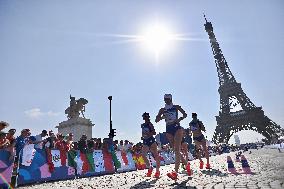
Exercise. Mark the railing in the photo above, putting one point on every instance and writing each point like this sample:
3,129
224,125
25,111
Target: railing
37,165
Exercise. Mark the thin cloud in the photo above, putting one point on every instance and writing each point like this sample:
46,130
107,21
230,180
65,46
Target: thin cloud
36,113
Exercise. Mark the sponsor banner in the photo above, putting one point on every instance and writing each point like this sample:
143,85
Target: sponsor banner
6,168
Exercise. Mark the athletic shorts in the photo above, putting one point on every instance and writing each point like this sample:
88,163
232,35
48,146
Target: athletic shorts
172,129
199,138
149,141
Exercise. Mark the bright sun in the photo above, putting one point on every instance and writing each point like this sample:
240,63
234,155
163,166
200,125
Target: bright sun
156,38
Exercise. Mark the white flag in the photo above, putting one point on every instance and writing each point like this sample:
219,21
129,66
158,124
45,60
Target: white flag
56,158
28,154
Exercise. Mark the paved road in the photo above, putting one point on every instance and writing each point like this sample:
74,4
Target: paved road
267,166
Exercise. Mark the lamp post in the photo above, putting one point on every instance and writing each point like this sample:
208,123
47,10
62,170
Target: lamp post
111,130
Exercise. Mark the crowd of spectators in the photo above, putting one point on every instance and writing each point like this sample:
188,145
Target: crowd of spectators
50,140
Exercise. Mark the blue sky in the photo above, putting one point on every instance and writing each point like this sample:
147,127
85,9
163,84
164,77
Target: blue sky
49,49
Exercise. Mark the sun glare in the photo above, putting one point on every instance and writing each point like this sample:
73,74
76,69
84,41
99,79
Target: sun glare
156,38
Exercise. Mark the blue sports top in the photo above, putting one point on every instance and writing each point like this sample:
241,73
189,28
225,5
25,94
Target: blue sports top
146,128
194,126
171,115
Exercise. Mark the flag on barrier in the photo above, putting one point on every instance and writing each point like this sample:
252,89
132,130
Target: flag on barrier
108,162
28,154
99,161
117,163
71,158
126,161
56,160
47,165
139,161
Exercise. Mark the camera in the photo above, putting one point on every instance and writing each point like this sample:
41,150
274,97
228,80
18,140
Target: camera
110,97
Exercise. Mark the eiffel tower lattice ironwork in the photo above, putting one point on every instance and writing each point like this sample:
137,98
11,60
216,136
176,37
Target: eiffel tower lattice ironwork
248,117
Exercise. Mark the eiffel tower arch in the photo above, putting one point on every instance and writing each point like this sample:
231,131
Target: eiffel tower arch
237,112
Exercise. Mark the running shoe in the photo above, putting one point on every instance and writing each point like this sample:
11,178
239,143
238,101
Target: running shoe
201,165
208,166
188,170
149,173
157,174
172,175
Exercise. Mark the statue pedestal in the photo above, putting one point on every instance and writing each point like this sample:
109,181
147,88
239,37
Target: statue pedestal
78,126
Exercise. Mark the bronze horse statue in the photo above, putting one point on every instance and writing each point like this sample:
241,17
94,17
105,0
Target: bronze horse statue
76,106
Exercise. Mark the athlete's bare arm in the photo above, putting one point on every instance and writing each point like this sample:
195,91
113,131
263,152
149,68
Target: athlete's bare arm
184,115
159,117
153,132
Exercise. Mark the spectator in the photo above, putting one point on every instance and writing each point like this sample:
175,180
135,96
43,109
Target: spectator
105,145
99,144
4,143
91,144
120,146
22,140
11,138
69,141
3,125
60,144
50,141
115,145
38,139
12,143
75,146
127,146
82,144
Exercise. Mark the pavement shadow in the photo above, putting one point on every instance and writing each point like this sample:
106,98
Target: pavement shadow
183,184
214,172
149,183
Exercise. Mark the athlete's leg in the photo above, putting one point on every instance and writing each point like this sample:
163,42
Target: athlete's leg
177,144
155,153
198,150
184,147
205,149
145,150
170,139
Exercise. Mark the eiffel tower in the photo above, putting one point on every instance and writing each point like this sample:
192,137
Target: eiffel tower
247,116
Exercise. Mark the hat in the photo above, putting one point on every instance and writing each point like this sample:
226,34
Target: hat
168,96
12,130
